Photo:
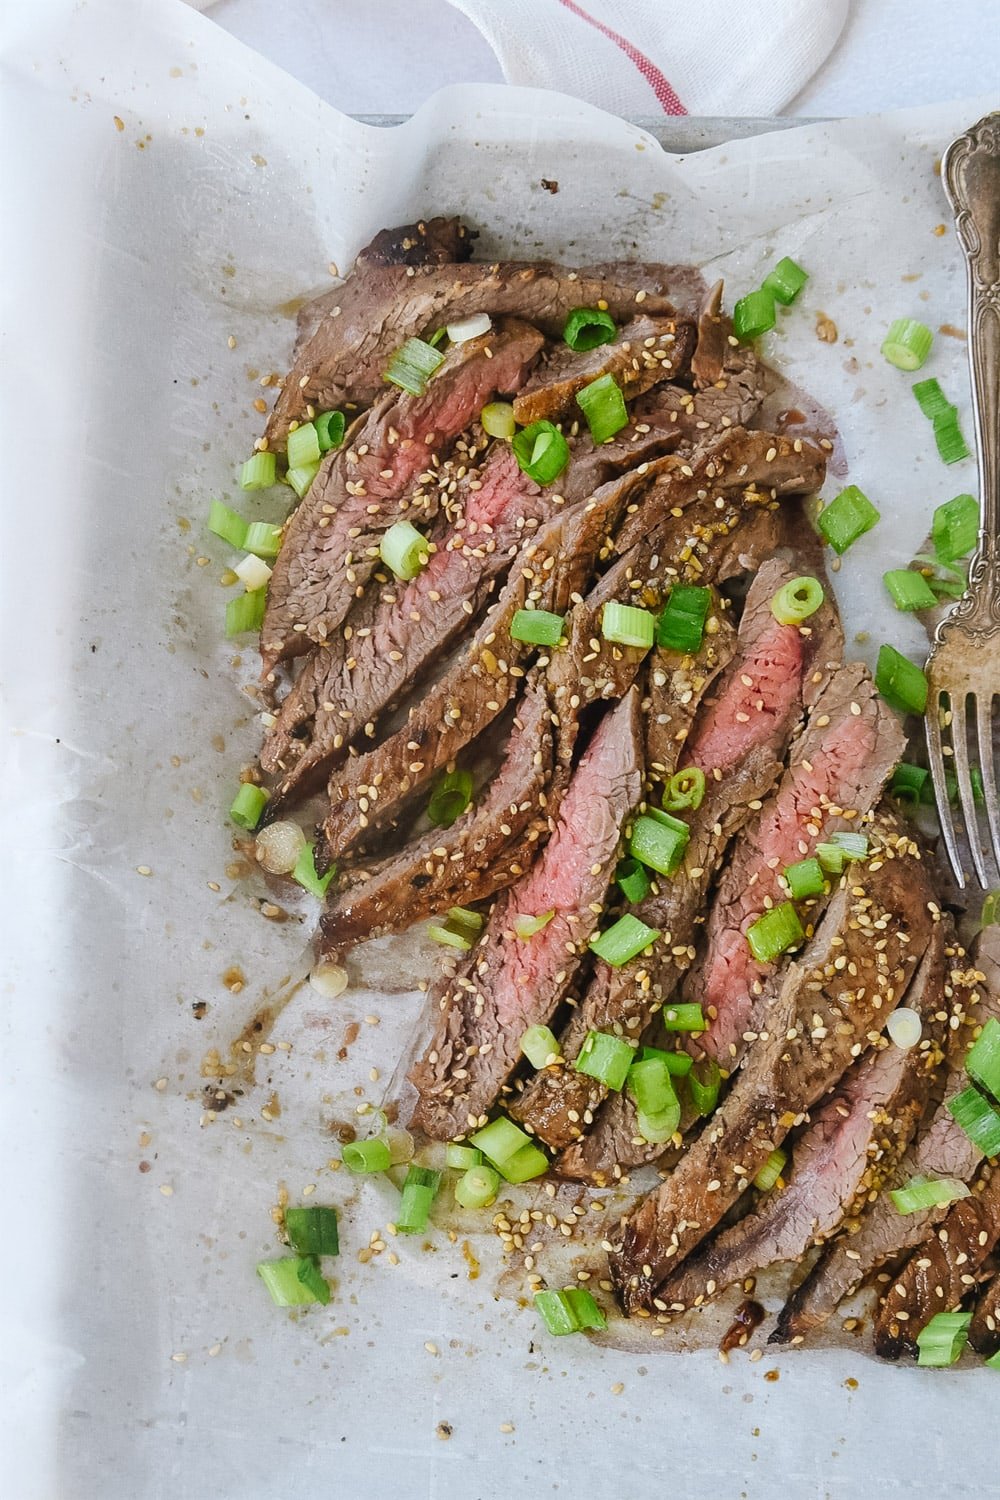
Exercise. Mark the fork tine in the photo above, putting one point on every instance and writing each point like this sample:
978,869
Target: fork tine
984,728
935,756
960,745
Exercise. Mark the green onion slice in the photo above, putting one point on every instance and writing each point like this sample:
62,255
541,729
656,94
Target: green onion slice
525,926
901,683
942,1341
448,937
786,281
848,516
461,1157
510,1149
537,627
796,600
253,572
419,1188
681,625
464,919
623,941
685,789
951,445
330,426
771,1170
633,880
587,327
301,478
225,523
606,1058
831,858
775,932
983,1062
262,539
981,1122
570,1311
909,589
367,1156
853,845
955,528
259,472
754,314
628,626
412,366
923,1192
651,1086
313,1230
477,1187
541,451
930,398
294,1281
659,841
686,1017
306,876
908,783
497,418
540,1046
525,1164
677,1063
403,550
603,405
907,344
704,1083
450,798
660,1128
302,446
245,613
248,805
805,878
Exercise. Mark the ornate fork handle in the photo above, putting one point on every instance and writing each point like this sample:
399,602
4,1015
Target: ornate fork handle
971,175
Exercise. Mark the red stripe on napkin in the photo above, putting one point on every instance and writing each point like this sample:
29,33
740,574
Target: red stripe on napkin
658,82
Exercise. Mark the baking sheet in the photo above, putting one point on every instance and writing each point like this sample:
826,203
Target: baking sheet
167,191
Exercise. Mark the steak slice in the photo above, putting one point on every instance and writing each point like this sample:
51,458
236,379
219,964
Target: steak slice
508,984
838,766
367,319
708,363
852,1142
984,1331
407,628
330,548
487,848
818,1017
942,1149
429,242
644,353
942,1271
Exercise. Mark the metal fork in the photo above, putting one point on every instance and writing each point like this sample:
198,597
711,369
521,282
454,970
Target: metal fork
963,669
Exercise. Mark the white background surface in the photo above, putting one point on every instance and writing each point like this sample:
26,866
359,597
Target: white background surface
387,56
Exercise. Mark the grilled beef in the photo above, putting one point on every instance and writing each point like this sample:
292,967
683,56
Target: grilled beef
943,1271
508,984
708,363
984,1331
643,353
851,1144
429,242
942,1149
382,474
489,847
818,1017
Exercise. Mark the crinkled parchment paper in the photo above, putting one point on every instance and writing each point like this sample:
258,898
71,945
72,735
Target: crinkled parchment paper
168,197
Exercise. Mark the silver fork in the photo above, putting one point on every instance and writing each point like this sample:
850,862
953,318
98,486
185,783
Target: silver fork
963,669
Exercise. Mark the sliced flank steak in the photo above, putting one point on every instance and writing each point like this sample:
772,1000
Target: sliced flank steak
507,983
942,1149
384,473
820,1016
376,310
852,1141
644,353
487,848
984,1331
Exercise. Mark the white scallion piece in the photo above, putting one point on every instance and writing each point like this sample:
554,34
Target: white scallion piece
905,1027
253,572
328,980
469,328
278,847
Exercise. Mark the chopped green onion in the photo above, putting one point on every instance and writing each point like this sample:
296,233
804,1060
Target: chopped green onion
606,1058
901,683
587,327
990,914
313,1230
403,550
651,1085
930,398
464,919
951,445
541,451
450,798
805,878
330,427
907,344
941,1342
659,841
302,446
301,478
263,539
461,1157
627,938
951,782
525,1164
775,932
525,927
922,1192
831,857
981,1122
412,366
540,1046
259,472
306,875
687,1017
770,1171
847,517
854,845
497,418
704,1083
983,1061
685,789
603,405
681,625
677,1063
754,314
367,1156
253,572
448,937
246,612
500,1141
628,626
633,880
570,1311
248,805
294,1281
438,337
225,523
657,1129
908,783
786,281
955,528
537,627
796,600
419,1188
993,1363
477,1188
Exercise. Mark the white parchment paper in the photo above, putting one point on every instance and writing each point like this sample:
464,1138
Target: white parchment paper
167,195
